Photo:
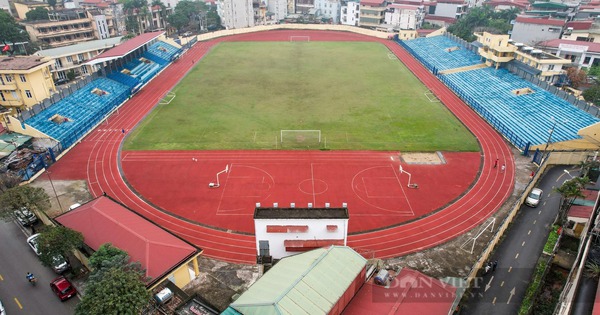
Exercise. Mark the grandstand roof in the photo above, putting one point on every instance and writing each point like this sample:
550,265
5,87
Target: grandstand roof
555,43
85,46
540,21
125,48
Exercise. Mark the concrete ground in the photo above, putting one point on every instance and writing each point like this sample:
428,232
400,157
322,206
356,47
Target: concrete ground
219,281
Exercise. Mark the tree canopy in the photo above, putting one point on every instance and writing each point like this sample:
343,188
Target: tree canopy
483,19
37,14
10,30
576,77
115,285
592,94
58,240
32,198
569,191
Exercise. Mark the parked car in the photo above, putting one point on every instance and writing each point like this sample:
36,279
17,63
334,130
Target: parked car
534,197
73,206
59,263
63,288
2,311
25,217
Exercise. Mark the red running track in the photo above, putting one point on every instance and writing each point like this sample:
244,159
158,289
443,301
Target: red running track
98,160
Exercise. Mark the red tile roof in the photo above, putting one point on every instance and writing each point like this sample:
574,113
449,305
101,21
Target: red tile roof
580,25
518,4
540,21
403,6
105,221
411,292
584,212
555,43
127,46
440,18
589,7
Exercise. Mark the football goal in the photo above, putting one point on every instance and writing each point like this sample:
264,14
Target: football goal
299,38
305,139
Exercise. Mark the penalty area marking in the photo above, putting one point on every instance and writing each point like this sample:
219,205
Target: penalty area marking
431,97
391,56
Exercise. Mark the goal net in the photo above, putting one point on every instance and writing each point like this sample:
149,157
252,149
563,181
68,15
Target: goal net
299,38
300,139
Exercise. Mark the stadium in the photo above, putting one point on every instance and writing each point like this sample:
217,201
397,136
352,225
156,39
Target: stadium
193,139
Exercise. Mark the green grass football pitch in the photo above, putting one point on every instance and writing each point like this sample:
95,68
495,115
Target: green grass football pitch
360,96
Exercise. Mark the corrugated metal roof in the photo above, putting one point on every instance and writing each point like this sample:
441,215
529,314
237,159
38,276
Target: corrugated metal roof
308,283
80,47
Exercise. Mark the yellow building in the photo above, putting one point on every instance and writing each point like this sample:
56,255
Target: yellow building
497,50
22,8
24,81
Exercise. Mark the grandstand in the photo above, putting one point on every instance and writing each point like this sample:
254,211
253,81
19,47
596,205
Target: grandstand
525,119
69,119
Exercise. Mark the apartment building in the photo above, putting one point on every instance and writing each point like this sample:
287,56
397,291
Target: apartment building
584,31
21,8
236,13
532,30
67,27
404,17
329,10
581,54
73,57
350,13
24,82
372,13
499,50
451,8
279,9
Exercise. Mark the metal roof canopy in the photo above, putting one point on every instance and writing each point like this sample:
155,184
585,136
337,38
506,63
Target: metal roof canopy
125,48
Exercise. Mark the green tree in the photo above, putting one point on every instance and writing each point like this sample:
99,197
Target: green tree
178,20
576,77
162,10
135,10
483,19
107,254
71,75
592,94
10,30
37,14
117,287
594,71
569,191
58,240
32,198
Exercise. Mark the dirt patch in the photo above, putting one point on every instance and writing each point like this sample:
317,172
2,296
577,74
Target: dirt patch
422,158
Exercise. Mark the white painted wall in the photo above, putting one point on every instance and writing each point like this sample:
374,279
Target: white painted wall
350,13
317,229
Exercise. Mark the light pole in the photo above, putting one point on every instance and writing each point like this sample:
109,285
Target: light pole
54,190
551,132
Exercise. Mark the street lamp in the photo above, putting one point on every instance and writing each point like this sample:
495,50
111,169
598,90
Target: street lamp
53,189
554,123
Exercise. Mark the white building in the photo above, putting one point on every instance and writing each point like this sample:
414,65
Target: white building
451,8
282,232
329,9
100,24
404,17
279,8
532,30
582,54
350,13
236,13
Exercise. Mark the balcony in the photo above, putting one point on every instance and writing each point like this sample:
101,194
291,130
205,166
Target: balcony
8,86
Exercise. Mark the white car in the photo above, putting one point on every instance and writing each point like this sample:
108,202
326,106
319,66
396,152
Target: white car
534,197
2,311
59,263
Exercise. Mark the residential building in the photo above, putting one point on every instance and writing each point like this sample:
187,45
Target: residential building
24,82
372,13
585,31
113,11
65,27
279,8
350,13
5,5
404,17
281,232
236,13
500,5
533,30
588,11
304,6
99,24
21,8
451,8
329,10
581,54
163,255
441,21
74,57
499,50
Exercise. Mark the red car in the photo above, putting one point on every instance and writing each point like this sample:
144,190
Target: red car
63,288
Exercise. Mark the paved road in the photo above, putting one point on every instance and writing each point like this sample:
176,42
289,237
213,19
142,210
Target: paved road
17,295
501,291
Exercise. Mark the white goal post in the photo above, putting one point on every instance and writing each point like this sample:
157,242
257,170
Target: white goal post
300,136
299,38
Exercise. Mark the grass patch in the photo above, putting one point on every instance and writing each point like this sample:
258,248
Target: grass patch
552,239
243,93
532,289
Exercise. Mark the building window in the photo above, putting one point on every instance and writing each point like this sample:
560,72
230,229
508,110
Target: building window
23,78
69,59
551,67
2,96
28,93
84,69
8,78
587,60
